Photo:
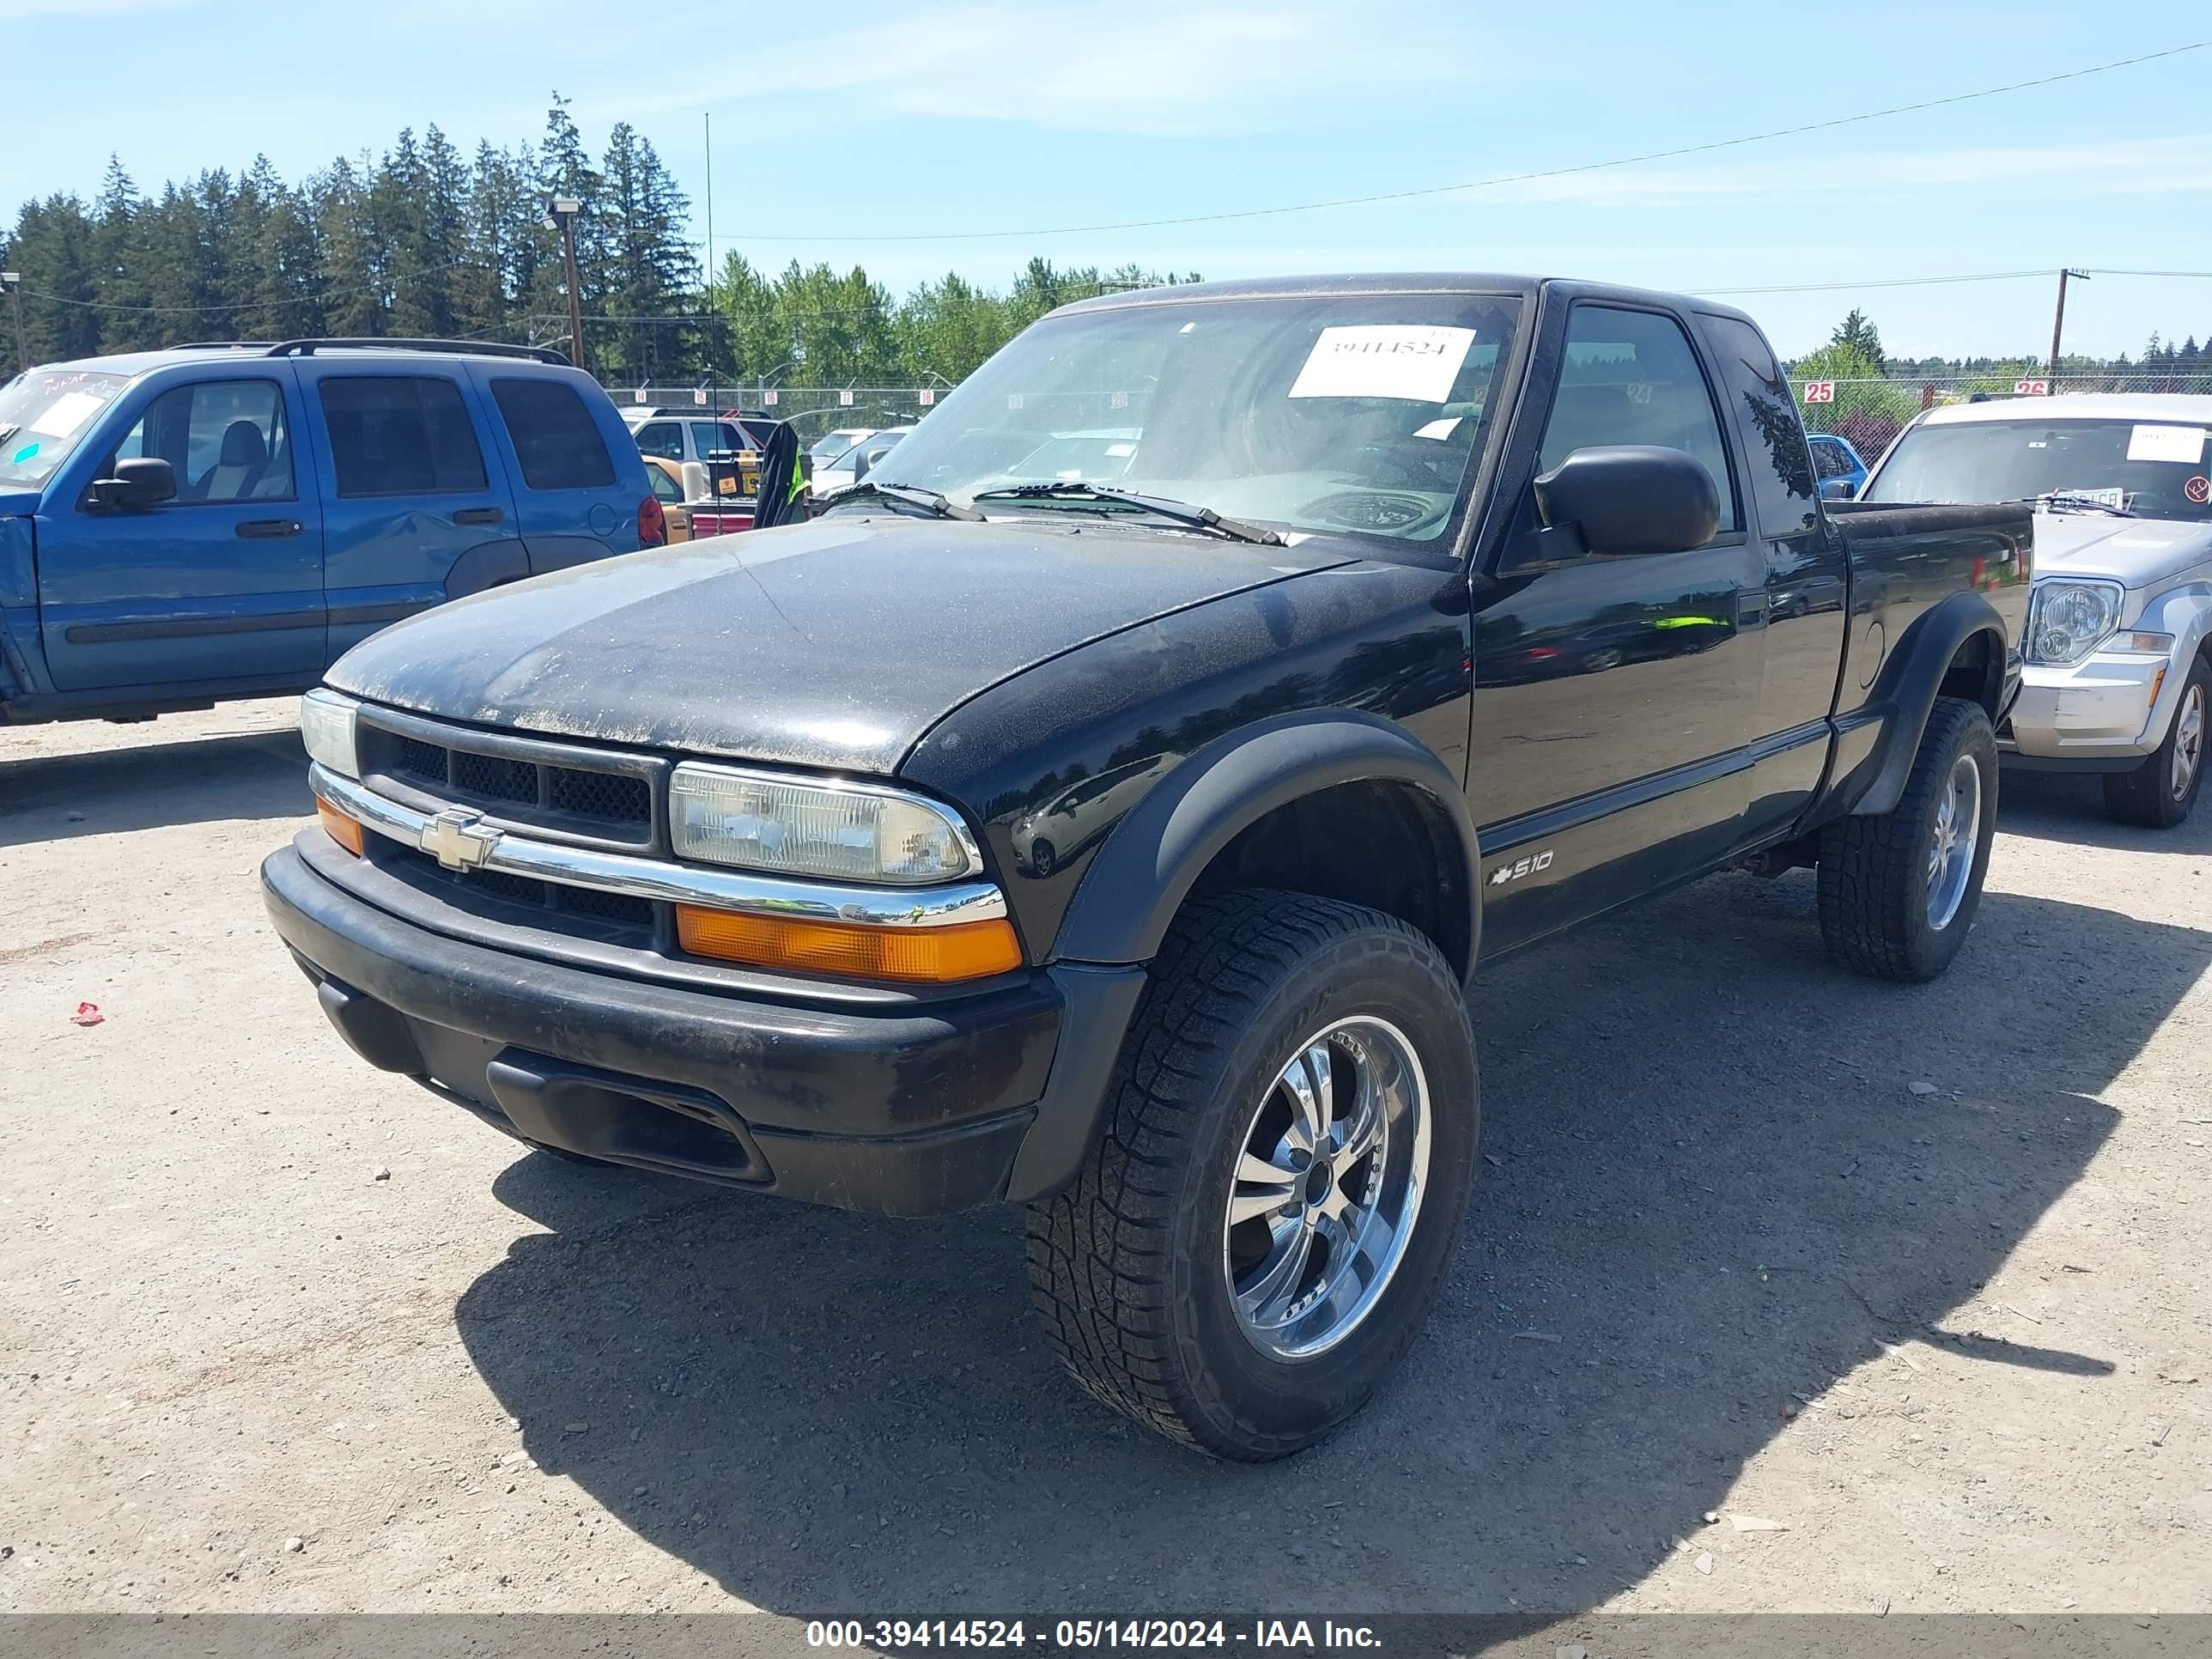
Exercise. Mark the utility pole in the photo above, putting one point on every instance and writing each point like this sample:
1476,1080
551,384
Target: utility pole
13,281
560,213
2058,322
707,265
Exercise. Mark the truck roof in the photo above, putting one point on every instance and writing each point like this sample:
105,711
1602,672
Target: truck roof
1423,282
2186,408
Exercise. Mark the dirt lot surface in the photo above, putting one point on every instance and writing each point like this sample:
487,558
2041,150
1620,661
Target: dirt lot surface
1956,1344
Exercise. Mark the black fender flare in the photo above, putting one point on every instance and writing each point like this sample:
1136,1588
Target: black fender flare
1140,875
1904,693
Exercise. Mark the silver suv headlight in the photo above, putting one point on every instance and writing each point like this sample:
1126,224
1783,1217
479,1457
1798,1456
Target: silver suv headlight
2067,620
326,731
842,831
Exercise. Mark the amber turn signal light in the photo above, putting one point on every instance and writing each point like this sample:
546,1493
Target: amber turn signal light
965,949
340,828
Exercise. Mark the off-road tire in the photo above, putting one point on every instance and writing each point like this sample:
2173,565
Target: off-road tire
1126,1266
1873,869
2145,795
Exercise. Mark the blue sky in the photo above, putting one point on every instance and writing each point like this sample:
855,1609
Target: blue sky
924,120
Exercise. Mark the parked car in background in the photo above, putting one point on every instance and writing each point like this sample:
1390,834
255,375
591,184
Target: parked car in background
2119,641
184,526
666,478
1836,466
767,904
1099,457
829,448
693,440
849,468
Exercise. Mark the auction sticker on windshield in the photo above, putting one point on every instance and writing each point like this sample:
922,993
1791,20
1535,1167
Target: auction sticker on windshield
2184,444
71,410
1373,360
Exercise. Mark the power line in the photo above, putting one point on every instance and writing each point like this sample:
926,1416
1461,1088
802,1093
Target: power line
1828,125
1872,281
258,305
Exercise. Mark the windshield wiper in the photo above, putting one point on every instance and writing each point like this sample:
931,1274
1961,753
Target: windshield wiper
2067,500
1069,489
910,495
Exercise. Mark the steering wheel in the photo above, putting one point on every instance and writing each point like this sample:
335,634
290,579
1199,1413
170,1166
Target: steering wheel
1411,475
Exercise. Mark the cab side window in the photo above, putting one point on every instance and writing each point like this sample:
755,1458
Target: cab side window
1632,377
226,440
1782,472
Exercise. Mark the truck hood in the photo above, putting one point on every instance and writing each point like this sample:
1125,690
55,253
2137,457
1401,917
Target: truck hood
832,644
2138,553
18,503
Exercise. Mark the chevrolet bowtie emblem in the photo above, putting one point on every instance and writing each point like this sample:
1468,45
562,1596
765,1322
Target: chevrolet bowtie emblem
459,840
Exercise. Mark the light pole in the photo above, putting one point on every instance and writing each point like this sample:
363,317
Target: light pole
760,381
560,213
13,281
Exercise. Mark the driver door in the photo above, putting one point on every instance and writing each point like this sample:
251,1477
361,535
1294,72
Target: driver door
222,584
1614,696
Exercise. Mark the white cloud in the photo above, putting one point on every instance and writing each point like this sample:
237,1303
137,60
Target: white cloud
2128,167
1150,68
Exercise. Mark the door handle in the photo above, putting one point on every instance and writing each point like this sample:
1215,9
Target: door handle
268,529
478,516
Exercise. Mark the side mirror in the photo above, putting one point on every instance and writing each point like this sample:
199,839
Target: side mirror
1631,498
137,484
1836,490
860,464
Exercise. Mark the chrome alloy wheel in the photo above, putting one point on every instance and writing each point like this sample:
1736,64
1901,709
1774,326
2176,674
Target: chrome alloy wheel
2188,742
1951,849
1327,1187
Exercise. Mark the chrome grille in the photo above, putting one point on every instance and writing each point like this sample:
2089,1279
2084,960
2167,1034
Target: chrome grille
578,792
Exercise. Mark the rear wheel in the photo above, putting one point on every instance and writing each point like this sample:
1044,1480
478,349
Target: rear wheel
2159,794
1899,890
1292,1134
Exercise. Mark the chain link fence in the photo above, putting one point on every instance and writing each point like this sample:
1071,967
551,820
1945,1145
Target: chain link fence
813,409
1870,413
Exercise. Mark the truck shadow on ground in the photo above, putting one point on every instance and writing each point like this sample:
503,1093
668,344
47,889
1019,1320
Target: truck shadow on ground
253,775
1713,1195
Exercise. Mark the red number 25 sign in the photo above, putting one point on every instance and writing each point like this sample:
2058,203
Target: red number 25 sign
1820,392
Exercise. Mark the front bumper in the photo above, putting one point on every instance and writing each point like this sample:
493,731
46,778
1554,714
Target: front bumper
912,1109
2104,712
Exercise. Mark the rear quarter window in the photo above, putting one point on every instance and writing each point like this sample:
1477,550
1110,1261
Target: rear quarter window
554,437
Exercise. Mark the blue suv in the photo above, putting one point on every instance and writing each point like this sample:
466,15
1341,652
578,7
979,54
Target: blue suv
184,526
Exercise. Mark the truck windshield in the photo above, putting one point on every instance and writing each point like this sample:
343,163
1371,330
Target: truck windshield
2153,468
45,414
1330,414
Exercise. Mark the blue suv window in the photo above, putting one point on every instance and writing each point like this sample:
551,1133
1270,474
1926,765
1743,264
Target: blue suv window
553,435
394,435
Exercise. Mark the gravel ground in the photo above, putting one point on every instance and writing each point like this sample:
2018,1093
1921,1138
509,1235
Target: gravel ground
1950,1342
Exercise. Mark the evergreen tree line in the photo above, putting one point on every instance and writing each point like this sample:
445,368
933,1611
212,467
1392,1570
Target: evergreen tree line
424,241
1854,350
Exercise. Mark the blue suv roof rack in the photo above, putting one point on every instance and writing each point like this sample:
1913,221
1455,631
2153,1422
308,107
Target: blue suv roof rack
471,348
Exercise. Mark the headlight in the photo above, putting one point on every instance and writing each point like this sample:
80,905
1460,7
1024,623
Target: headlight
327,729
2069,620
844,831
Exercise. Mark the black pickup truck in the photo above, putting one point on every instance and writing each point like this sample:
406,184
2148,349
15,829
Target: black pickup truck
1103,807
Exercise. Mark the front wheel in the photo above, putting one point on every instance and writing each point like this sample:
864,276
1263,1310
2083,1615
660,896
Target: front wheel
1291,1139
2159,794
1899,890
